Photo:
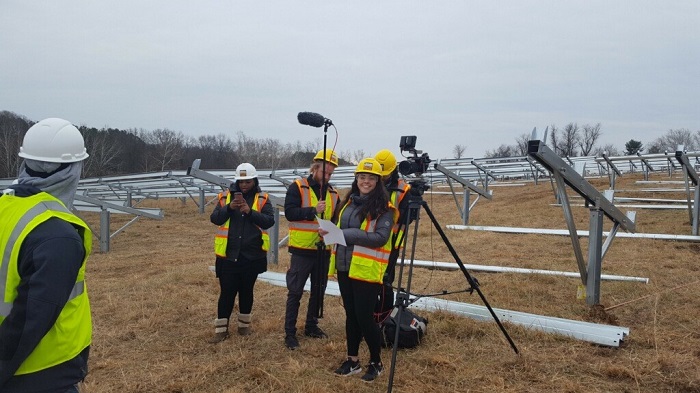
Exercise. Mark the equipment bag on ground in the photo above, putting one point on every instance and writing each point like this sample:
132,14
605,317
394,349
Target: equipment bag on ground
411,332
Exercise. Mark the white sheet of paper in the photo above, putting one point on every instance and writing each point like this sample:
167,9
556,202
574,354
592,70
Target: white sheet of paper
334,235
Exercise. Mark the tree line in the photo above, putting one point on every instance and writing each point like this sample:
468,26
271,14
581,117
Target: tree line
114,151
573,140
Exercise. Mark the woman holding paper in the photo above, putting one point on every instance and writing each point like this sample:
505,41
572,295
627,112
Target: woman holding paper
366,218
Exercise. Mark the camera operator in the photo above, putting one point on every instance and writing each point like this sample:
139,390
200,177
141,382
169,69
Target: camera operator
398,189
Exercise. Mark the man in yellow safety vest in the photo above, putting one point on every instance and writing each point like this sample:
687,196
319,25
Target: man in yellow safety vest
304,202
45,325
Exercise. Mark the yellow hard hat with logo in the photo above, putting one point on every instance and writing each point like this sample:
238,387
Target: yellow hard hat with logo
330,157
386,160
369,165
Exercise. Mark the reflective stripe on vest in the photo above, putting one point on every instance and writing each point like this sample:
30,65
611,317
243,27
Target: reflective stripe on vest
304,234
396,196
18,217
221,236
367,264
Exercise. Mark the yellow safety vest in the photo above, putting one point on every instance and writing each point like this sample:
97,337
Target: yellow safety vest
395,197
367,264
221,237
304,234
72,331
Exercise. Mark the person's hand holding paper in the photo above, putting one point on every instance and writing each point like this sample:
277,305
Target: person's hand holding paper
334,235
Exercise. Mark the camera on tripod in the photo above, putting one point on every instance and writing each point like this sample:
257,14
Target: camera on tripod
418,163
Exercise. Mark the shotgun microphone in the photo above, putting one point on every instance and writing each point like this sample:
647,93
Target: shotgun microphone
312,119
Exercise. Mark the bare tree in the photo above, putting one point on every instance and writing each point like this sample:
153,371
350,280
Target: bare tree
357,155
589,138
608,149
501,151
672,139
554,139
458,151
104,153
12,130
521,143
569,140
165,148
271,153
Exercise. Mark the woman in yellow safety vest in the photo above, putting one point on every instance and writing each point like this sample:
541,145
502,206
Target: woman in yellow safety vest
366,219
243,215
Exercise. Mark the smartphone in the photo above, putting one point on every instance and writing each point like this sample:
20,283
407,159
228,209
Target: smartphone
238,196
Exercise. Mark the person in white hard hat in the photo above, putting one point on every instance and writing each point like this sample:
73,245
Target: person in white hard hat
243,215
45,323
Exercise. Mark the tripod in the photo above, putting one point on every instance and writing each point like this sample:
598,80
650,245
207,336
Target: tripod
403,294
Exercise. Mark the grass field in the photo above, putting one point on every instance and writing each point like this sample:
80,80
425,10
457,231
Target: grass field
154,301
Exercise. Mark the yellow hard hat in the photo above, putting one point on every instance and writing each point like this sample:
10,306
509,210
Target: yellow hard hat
369,165
330,157
386,160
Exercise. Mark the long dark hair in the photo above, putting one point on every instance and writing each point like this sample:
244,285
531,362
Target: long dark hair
377,200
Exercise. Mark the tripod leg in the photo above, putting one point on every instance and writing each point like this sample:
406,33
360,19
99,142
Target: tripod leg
472,282
402,295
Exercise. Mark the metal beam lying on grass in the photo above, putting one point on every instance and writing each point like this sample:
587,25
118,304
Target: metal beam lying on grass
505,269
580,233
586,331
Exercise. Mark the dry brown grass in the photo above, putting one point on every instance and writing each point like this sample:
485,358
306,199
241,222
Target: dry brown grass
154,301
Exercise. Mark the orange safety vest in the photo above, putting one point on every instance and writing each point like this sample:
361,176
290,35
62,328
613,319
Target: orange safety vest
367,263
395,197
304,234
221,237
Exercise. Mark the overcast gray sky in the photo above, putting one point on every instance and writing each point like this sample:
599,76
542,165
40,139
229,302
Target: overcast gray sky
474,73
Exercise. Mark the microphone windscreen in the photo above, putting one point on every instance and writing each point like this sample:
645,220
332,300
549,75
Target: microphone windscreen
311,119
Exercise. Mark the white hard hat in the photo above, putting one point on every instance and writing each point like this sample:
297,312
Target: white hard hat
246,171
53,140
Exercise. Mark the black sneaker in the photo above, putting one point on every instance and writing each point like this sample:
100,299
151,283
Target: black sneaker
373,371
348,368
315,332
291,342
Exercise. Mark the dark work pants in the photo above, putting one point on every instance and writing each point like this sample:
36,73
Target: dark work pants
300,268
232,284
359,299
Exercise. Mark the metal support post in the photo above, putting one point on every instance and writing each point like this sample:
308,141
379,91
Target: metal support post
274,233
594,257
465,207
202,201
104,230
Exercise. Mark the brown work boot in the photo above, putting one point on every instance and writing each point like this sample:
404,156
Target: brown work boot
220,331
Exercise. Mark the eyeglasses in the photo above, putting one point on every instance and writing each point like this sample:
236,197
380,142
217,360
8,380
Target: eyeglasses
367,177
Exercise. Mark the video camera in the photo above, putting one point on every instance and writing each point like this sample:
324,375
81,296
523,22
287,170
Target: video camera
416,164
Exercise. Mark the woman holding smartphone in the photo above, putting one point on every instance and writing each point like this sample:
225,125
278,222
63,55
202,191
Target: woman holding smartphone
243,215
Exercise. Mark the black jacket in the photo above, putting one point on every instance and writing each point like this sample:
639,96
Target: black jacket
49,260
244,237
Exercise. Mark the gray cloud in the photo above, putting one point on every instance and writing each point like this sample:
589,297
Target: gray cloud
454,72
